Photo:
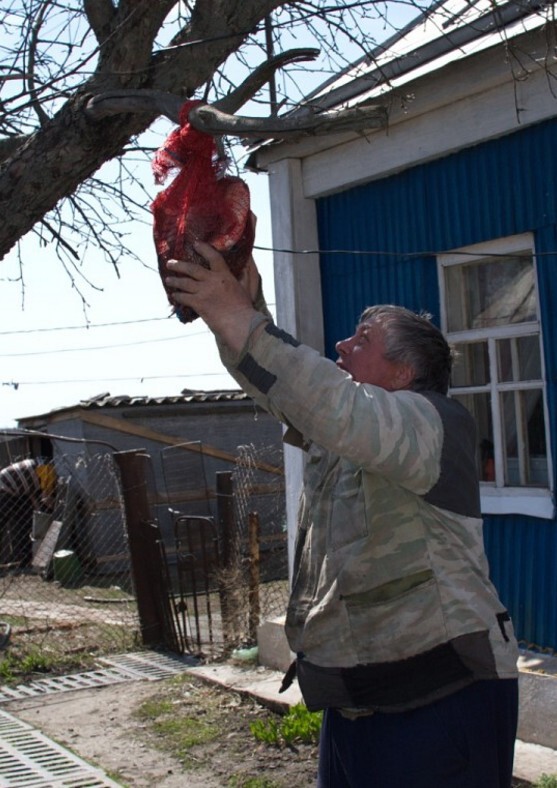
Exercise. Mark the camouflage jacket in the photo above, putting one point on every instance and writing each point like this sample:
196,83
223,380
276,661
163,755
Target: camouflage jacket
391,604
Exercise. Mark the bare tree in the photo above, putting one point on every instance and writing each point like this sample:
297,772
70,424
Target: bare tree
56,56
64,62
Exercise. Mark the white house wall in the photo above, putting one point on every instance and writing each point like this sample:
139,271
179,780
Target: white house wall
441,131
297,289
296,267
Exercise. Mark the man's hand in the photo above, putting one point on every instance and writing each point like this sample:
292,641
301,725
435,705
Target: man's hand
250,279
223,302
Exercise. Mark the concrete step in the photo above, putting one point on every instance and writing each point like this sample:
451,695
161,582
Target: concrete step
537,720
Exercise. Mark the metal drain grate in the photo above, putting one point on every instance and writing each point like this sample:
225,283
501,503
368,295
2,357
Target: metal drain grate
94,678
150,665
27,758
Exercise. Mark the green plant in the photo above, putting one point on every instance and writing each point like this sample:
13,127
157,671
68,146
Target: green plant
175,730
547,781
14,667
7,668
298,725
266,732
17,666
38,662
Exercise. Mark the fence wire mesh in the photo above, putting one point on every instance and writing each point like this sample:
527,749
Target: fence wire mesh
67,585
259,560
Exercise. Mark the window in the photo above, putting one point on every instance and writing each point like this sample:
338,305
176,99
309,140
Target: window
490,316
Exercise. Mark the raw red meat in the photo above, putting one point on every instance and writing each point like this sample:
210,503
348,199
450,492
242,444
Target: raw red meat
200,204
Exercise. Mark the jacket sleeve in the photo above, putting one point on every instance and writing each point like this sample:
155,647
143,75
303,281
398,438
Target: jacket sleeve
396,434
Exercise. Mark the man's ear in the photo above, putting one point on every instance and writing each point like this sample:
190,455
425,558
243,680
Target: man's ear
403,377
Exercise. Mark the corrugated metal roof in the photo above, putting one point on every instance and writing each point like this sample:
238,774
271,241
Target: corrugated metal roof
449,30
106,400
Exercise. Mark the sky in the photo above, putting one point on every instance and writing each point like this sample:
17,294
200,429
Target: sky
54,354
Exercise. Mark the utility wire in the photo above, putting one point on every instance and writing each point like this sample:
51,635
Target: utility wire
99,347
16,384
355,252
479,255
303,252
86,327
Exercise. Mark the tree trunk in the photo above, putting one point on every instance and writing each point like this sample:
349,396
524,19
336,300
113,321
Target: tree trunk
68,148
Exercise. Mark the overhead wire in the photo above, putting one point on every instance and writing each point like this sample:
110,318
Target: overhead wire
283,250
98,347
16,384
476,254
85,327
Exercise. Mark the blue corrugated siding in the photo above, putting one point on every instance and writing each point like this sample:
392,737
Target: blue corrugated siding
522,553
498,188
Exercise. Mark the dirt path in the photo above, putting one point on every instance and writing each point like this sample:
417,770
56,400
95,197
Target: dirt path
102,727
99,726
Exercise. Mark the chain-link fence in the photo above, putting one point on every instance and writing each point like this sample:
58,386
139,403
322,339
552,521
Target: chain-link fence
65,584
84,572
260,556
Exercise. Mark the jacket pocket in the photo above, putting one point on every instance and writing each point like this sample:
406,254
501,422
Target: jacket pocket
396,620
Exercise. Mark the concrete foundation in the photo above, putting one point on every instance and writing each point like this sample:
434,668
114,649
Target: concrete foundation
274,652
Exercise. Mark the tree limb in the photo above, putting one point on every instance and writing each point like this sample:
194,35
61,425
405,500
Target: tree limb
309,122
8,145
100,14
41,114
262,74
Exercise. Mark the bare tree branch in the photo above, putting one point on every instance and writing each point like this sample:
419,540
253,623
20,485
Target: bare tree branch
310,122
156,102
61,61
41,114
100,15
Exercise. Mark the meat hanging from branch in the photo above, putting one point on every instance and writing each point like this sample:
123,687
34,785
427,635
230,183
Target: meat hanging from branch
201,204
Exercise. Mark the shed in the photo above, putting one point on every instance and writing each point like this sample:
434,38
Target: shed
189,437
452,209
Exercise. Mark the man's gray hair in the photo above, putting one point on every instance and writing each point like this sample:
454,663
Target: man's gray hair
412,339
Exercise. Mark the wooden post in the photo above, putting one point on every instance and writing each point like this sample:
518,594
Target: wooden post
144,549
254,574
225,514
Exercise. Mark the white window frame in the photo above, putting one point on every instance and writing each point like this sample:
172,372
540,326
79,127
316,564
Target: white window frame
533,501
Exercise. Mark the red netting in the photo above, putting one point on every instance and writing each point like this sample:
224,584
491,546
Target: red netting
198,204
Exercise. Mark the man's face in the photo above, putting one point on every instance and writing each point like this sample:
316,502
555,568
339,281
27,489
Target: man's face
363,357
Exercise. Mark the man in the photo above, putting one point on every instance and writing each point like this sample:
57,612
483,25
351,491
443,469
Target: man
399,634
25,487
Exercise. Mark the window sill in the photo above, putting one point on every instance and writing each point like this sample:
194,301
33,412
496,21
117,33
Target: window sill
513,500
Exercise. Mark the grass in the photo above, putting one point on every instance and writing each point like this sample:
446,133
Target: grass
297,726
20,667
207,727
39,647
546,781
174,729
